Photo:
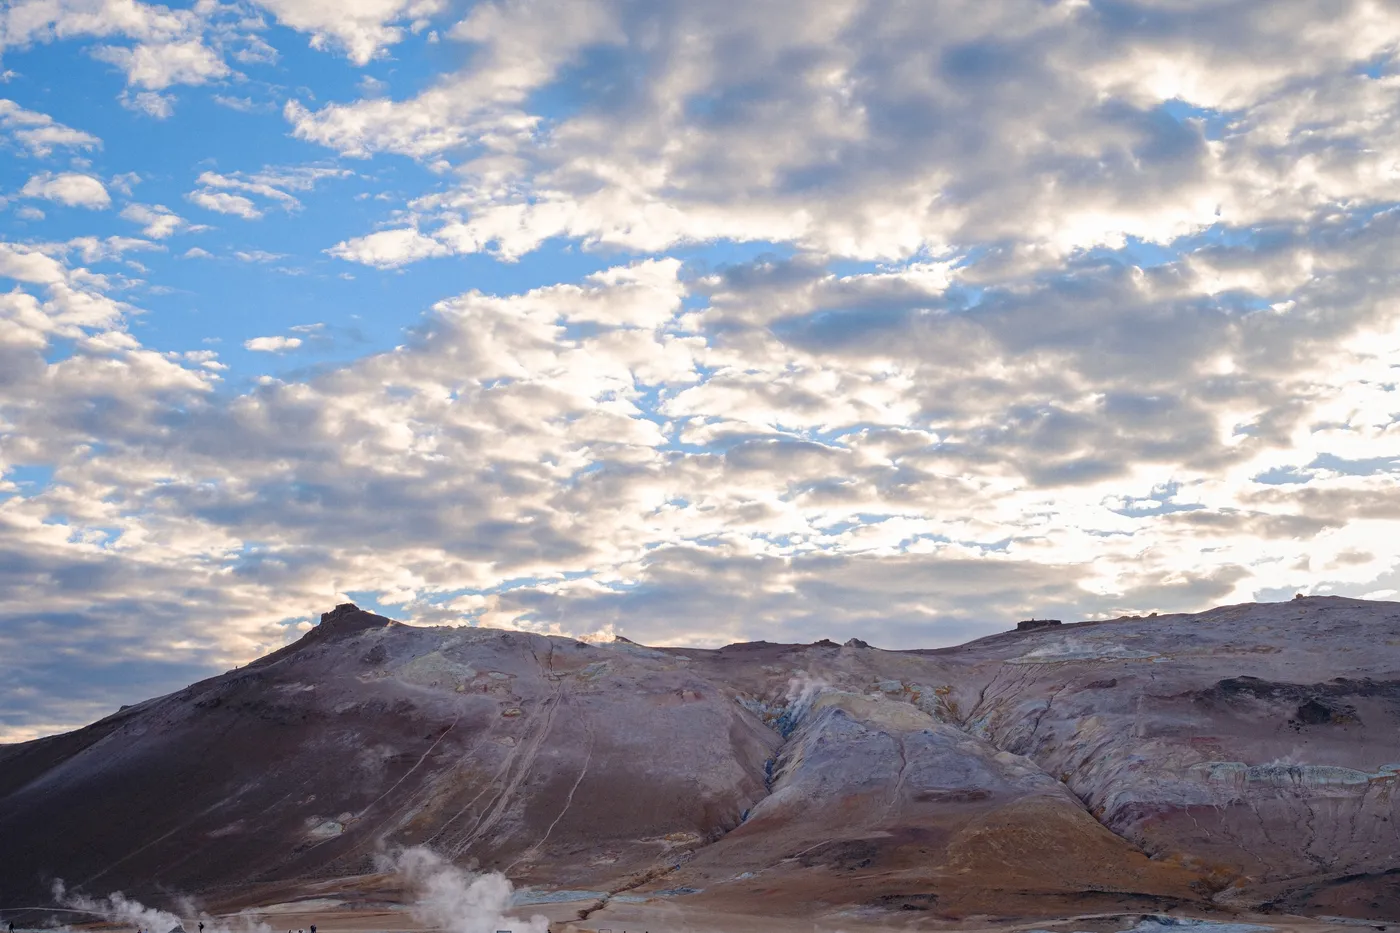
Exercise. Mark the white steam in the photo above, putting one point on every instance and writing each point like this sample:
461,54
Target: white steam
449,898
802,691
120,909
444,897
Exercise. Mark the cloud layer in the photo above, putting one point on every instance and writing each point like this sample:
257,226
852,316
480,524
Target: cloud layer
898,325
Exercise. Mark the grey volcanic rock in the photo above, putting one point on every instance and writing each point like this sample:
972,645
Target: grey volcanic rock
1239,758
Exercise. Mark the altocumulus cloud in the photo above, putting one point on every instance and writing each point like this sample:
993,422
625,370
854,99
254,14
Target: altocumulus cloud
1068,308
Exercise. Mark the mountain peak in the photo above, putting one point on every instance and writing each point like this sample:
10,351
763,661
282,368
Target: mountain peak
348,618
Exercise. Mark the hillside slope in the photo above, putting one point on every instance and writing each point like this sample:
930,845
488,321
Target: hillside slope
1239,758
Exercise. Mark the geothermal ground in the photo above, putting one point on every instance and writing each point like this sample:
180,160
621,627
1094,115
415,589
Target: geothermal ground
1236,767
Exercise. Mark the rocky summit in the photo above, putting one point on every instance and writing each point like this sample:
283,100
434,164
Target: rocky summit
1234,762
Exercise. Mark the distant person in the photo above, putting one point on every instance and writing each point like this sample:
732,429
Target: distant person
313,928
201,926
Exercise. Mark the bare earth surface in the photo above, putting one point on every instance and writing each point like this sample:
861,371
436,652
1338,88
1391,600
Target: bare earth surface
1235,766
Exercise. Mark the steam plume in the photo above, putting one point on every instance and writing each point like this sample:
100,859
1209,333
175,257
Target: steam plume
448,898
118,908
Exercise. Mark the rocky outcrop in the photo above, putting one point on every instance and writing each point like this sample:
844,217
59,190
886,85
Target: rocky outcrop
1031,625
1256,743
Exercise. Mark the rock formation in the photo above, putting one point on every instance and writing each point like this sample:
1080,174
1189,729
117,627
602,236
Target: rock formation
1242,758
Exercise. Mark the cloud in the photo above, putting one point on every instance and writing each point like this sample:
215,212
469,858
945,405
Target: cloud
362,28
649,449
389,249
157,220
241,104
484,103
27,264
1072,309
194,252
95,249
39,132
846,132
35,21
224,203
70,188
272,344
151,103
258,255
126,182
273,185
167,47
158,66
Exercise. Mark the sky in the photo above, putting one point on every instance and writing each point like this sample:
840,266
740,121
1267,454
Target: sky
693,322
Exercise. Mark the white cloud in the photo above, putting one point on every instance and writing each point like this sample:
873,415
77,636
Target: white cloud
151,103
258,255
224,203
70,188
23,22
256,186
27,264
168,47
272,344
195,252
95,249
483,104
126,182
388,249
256,51
29,213
158,66
157,220
362,28
241,104
39,132
272,184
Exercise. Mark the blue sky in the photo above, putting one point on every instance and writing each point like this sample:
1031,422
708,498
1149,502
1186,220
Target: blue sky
693,322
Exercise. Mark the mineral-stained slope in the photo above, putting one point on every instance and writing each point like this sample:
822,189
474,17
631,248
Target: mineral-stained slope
1238,758
1257,744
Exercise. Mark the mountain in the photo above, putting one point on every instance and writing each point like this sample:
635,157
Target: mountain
1238,760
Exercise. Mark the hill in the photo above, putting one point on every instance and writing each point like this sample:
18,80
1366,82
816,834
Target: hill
1241,759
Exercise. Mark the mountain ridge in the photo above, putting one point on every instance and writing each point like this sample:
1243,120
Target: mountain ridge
1129,764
